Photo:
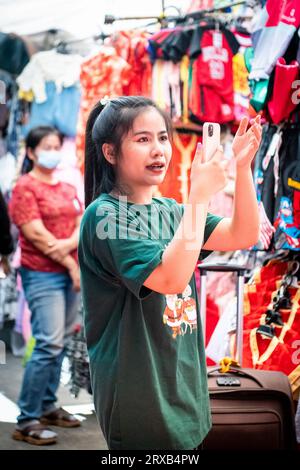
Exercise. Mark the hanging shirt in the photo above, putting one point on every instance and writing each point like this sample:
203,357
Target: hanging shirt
287,235
158,47
277,181
281,103
212,80
184,81
240,85
57,206
273,31
160,84
49,66
103,75
132,47
14,55
60,110
146,349
180,44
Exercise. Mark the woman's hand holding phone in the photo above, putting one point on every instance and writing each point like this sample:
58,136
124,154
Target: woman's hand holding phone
208,177
211,139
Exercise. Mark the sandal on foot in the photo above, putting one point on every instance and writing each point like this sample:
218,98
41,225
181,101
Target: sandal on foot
60,417
35,434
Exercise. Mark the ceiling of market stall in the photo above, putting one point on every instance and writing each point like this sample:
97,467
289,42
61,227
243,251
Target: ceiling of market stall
79,17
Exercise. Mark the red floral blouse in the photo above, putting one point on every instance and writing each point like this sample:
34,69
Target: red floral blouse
56,205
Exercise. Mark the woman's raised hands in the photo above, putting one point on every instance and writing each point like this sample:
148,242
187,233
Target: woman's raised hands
246,142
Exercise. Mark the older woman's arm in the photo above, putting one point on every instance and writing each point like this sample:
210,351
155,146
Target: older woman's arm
61,247
36,232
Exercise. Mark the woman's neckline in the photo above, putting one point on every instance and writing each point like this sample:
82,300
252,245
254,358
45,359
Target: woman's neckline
44,182
128,202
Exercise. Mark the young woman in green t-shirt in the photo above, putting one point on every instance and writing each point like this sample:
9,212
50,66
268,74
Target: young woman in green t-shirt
137,257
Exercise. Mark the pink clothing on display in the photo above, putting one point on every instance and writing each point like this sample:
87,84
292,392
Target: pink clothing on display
68,170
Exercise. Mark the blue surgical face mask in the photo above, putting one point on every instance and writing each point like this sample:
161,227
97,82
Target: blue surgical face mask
48,158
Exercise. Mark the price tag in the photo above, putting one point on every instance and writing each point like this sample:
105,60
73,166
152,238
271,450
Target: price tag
217,39
76,205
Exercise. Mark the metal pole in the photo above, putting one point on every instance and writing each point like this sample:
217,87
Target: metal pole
240,318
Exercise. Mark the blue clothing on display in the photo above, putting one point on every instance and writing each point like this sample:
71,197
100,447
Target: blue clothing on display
60,110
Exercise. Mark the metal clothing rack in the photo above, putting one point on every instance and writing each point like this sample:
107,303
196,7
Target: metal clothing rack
62,45
164,19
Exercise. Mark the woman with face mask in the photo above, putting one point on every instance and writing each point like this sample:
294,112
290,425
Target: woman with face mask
47,213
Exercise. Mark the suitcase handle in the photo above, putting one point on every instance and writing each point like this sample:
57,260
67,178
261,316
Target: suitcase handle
240,272
221,267
238,372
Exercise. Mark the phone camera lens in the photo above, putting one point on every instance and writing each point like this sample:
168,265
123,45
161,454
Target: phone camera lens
210,130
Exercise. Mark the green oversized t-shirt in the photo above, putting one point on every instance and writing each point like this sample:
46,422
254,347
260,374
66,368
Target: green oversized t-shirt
147,360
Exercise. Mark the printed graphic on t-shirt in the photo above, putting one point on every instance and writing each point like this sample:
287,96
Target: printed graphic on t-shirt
180,313
287,232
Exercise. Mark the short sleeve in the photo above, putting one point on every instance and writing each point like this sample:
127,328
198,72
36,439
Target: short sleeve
129,258
211,223
23,206
167,44
195,45
232,41
179,45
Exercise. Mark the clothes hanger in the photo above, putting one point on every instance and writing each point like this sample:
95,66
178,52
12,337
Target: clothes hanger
293,279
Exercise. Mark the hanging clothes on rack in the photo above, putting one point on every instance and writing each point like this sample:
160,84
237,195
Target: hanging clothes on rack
14,53
7,159
49,66
287,204
51,82
264,176
273,31
103,75
11,117
177,181
241,89
272,319
282,104
277,180
132,47
212,81
203,82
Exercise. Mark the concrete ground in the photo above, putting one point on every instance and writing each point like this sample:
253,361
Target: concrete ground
86,437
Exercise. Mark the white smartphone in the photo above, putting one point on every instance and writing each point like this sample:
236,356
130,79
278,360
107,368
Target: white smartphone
211,139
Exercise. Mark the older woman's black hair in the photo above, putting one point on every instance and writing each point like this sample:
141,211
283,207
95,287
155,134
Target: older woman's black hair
108,124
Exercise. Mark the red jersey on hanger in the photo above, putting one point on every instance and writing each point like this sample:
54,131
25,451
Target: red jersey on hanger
212,83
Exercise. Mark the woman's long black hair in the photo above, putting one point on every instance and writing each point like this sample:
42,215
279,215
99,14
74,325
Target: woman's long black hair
33,139
108,124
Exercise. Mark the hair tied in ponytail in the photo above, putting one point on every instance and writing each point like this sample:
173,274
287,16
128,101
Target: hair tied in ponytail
97,127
